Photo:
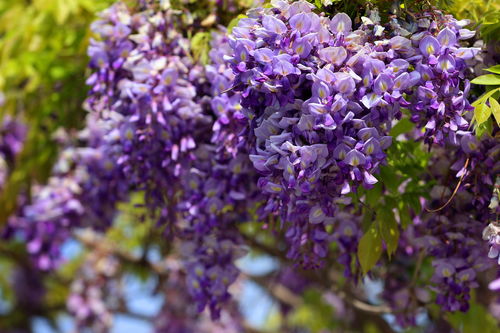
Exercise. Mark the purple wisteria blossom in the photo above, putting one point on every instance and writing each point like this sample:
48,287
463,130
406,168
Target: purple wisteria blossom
452,235
12,136
492,234
142,72
95,293
219,191
178,315
319,99
440,104
83,191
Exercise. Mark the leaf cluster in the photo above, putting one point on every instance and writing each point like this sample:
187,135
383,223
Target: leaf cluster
42,69
486,107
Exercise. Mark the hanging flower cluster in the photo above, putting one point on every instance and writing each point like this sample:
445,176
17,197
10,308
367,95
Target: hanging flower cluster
321,98
319,106
453,234
83,191
95,293
219,190
178,314
143,73
450,234
12,136
159,102
439,103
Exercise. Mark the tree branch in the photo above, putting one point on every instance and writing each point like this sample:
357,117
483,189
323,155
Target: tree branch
329,284
93,240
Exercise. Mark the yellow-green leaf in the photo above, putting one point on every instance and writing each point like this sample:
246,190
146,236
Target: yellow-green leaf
488,80
388,229
403,126
470,321
234,22
482,113
494,69
485,128
495,109
200,46
485,96
370,248
404,214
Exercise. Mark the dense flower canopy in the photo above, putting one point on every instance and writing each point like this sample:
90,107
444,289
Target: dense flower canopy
339,137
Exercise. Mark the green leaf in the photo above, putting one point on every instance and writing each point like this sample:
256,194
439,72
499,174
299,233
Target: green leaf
370,248
313,313
5,280
390,180
488,80
470,321
485,128
234,22
62,11
200,46
404,215
388,229
373,195
495,109
413,201
481,113
484,97
494,69
403,126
